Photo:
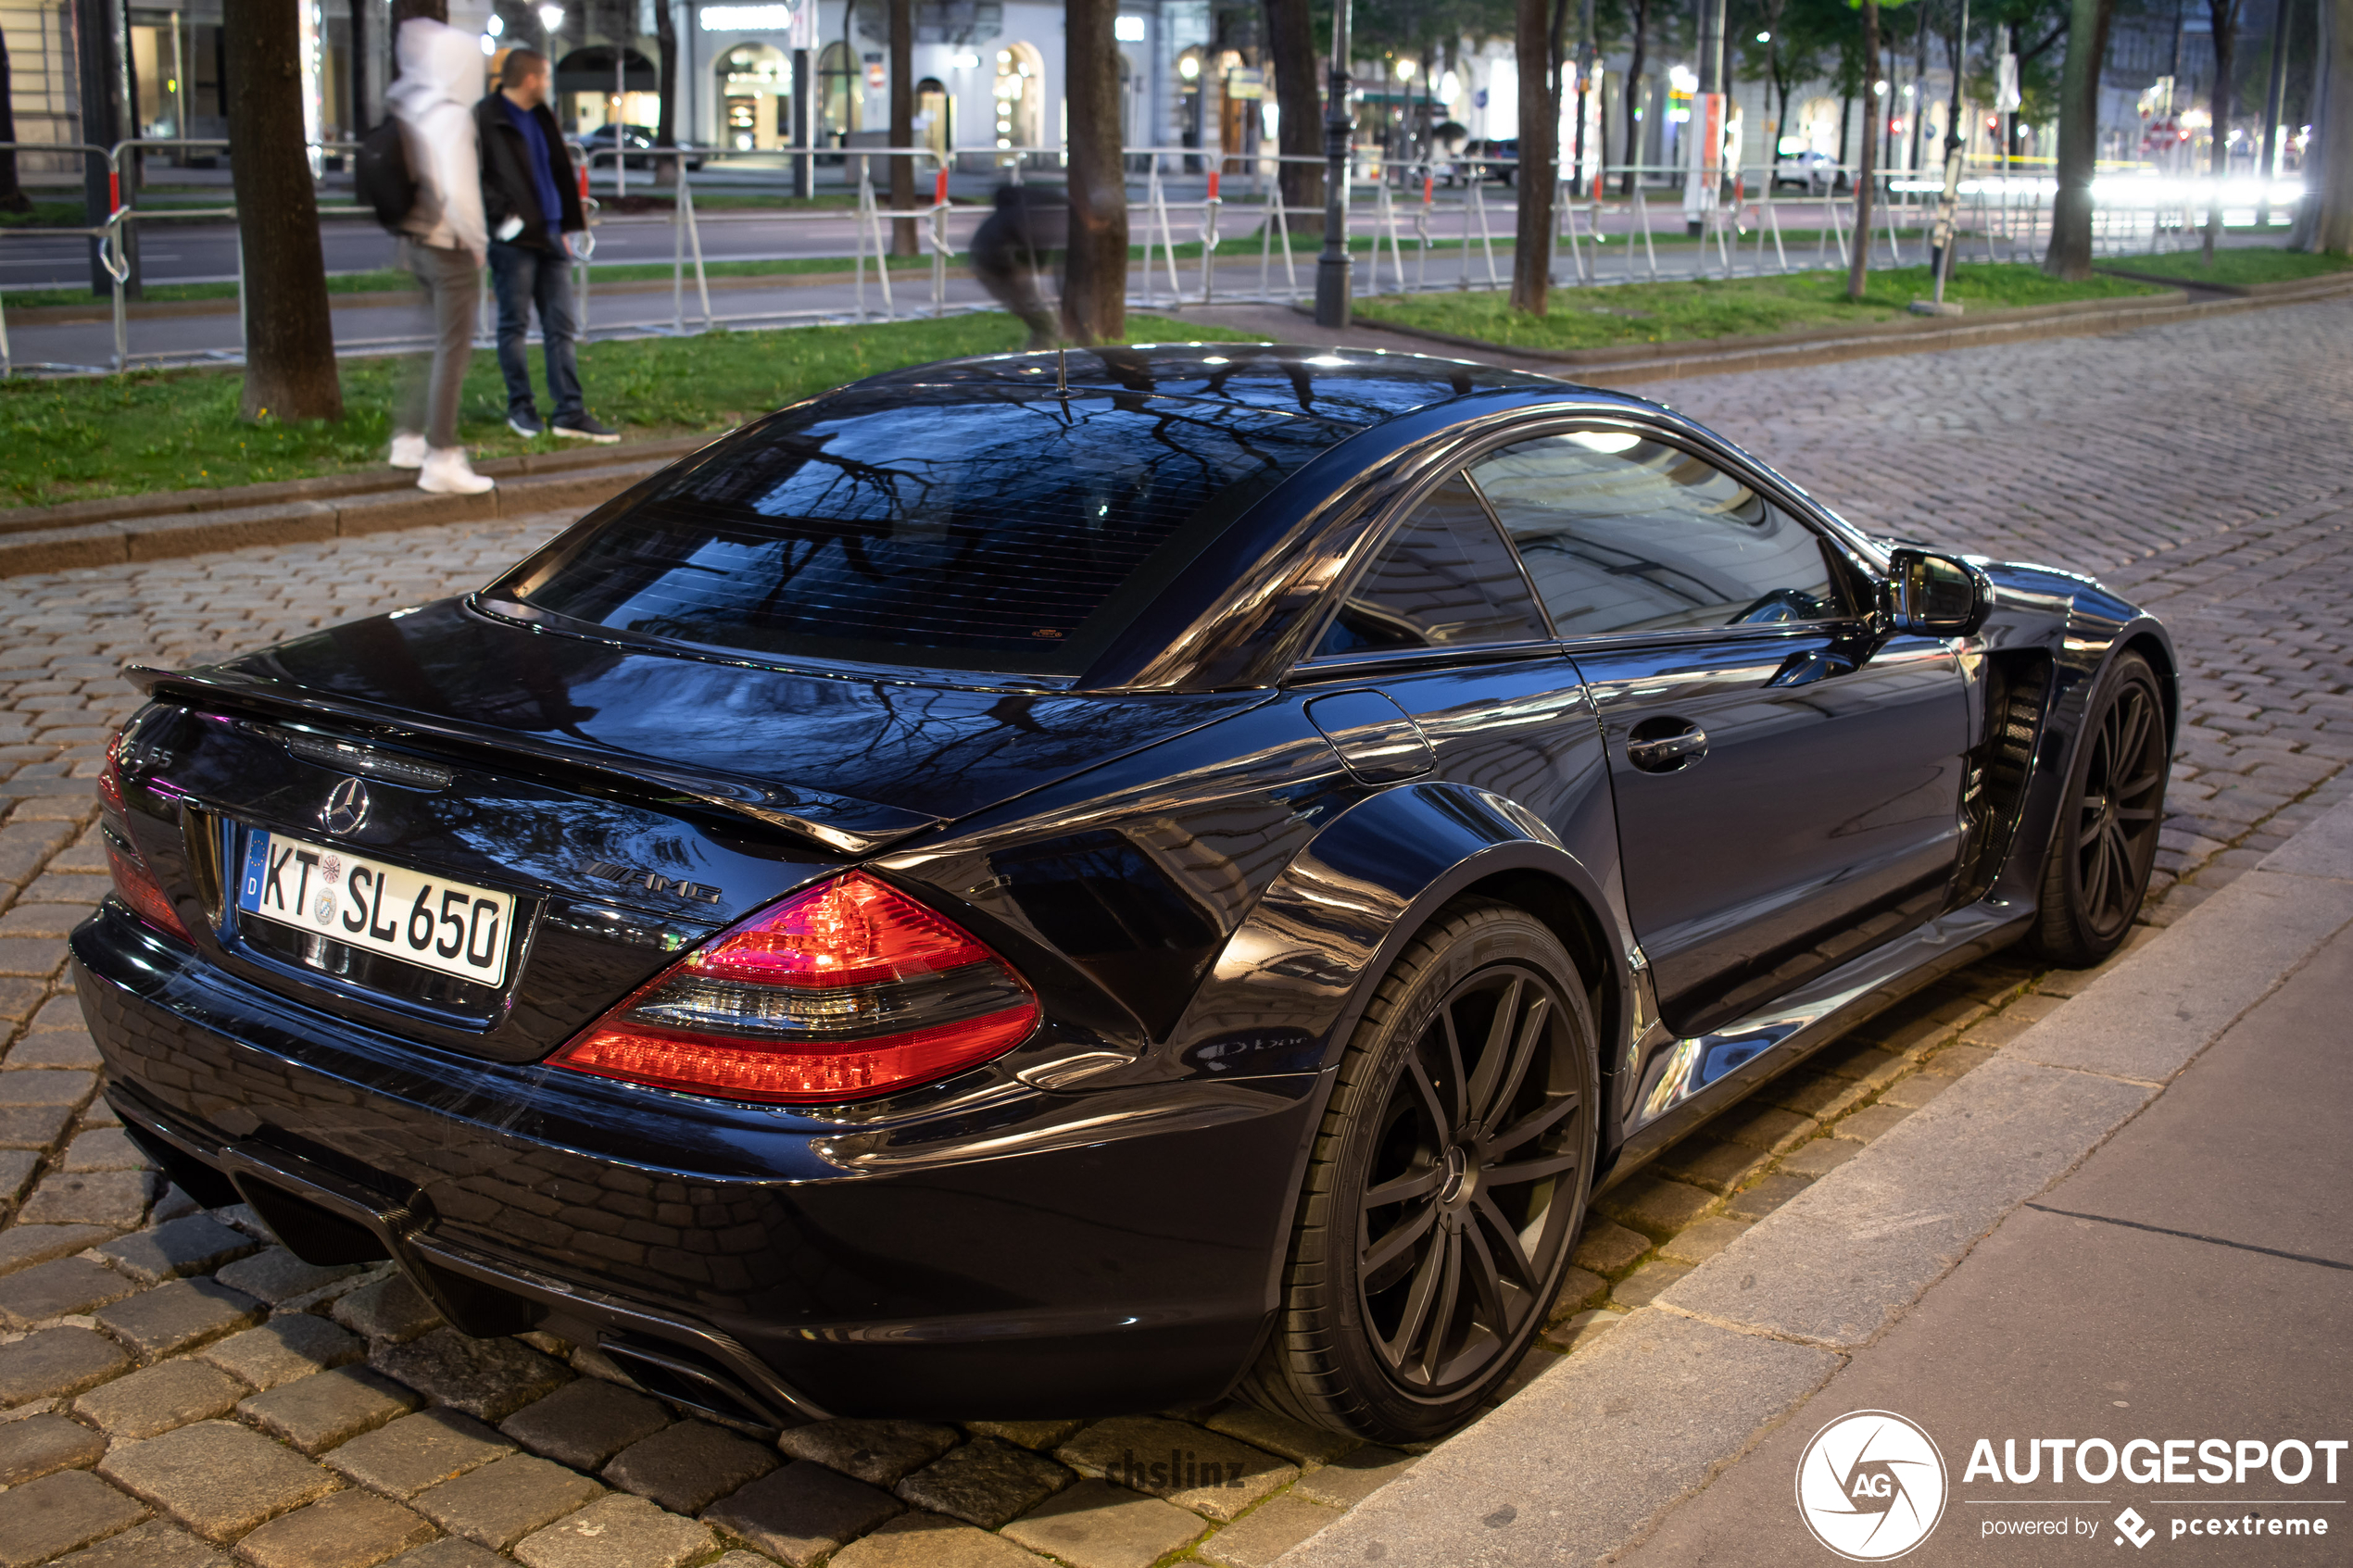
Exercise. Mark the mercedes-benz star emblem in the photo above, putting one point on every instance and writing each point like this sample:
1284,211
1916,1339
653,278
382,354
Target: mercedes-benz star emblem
346,808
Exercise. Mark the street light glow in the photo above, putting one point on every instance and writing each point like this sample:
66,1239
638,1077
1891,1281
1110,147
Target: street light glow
551,18
1764,38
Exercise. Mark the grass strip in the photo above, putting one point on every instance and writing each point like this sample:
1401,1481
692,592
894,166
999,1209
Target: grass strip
73,438
2239,267
1674,312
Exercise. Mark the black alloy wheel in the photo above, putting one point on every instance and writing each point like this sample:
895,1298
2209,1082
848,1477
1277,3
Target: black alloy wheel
2105,843
1447,1183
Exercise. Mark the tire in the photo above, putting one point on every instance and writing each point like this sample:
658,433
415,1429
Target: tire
1399,1317
2103,845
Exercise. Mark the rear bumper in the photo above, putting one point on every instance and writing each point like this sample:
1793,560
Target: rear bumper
1039,1255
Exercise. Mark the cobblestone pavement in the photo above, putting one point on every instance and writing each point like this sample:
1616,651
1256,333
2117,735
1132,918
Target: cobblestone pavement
177,1389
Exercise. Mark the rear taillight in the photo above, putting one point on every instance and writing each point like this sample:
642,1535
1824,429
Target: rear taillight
848,990
132,879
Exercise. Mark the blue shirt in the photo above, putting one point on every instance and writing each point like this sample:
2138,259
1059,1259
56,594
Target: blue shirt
542,174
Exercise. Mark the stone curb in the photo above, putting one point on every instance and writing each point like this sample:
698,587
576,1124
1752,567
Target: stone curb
1928,336
328,486
163,537
1588,1458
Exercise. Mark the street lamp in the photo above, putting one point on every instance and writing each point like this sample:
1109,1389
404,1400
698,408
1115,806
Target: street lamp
551,20
1332,281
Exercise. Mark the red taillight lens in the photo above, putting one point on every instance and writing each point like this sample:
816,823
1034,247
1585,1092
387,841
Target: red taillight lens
848,990
141,891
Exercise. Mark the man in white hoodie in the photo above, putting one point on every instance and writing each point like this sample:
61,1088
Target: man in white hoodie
444,241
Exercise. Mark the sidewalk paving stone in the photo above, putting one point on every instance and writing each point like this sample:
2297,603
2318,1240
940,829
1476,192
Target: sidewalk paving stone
389,1309
99,1198
488,1379
37,1445
799,1513
57,1361
1302,1444
689,1466
1604,1248
196,1245
585,1422
329,1409
506,1499
275,1274
156,1544
155,1399
617,1532
349,1529
179,1316
217,1478
918,1540
1024,1434
34,1127
1096,1525
60,1512
985,1481
1703,1239
53,1289
416,1452
1354,1476
1265,1533
878,1452
289,1345
1195,1469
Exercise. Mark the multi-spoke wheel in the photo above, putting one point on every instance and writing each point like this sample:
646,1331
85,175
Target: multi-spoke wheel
1446,1184
2106,841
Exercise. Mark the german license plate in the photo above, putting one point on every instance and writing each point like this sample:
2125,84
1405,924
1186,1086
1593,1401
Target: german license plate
446,926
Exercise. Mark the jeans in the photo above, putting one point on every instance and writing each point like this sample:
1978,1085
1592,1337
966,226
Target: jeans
429,400
525,276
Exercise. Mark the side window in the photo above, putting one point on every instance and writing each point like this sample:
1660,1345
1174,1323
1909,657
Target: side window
1444,580
1622,533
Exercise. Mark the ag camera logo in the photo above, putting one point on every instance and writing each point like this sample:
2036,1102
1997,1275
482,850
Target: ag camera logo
1871,1485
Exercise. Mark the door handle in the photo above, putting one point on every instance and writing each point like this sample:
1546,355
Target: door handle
1665,745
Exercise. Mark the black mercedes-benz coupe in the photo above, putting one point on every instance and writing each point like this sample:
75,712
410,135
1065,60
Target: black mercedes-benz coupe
1025,887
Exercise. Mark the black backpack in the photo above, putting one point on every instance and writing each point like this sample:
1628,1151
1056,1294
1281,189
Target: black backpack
379,175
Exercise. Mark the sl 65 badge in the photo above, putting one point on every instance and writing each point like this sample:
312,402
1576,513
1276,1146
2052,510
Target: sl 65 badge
652,882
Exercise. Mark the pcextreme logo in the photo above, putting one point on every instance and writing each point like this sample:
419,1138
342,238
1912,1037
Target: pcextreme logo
1871,1485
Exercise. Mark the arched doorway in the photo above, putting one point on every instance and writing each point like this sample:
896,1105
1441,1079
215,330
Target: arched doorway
1020,91
755,95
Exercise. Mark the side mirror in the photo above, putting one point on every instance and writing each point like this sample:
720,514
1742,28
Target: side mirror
1936,596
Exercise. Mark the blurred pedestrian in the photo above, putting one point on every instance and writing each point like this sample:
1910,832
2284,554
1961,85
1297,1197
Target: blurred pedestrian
533,205
442,242
1014,246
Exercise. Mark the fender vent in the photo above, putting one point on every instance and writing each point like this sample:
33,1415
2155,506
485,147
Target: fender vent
1998,767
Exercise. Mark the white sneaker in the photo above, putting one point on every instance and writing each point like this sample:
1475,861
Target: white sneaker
446,472
407,450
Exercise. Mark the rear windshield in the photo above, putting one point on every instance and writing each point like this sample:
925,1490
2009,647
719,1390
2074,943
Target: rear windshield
928,526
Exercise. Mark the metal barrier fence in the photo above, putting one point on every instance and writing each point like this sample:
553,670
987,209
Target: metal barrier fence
1196,247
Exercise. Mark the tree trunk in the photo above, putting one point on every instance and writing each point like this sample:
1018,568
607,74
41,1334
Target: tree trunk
290,343
665,84
2224,16
2329,163
2069,256
1533,180
1291,44
1095,291
1633,90
1858,264
12,196
902,122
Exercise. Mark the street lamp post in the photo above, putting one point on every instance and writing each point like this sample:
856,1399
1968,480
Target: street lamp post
1333,285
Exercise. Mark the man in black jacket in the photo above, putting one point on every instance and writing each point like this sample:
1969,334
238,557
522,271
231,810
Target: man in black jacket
530,203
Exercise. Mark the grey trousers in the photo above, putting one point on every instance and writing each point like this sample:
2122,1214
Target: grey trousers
453,289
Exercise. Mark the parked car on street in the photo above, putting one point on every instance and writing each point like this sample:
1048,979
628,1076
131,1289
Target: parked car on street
1032,888
637,148
1811,172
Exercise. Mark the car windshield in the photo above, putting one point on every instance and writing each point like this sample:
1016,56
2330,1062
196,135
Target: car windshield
927,526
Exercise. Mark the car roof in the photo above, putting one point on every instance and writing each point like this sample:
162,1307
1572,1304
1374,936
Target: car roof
1356,388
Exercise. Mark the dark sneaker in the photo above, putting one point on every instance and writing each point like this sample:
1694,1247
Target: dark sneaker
525,422
585,426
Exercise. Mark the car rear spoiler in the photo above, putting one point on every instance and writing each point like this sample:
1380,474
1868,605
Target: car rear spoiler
838,822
